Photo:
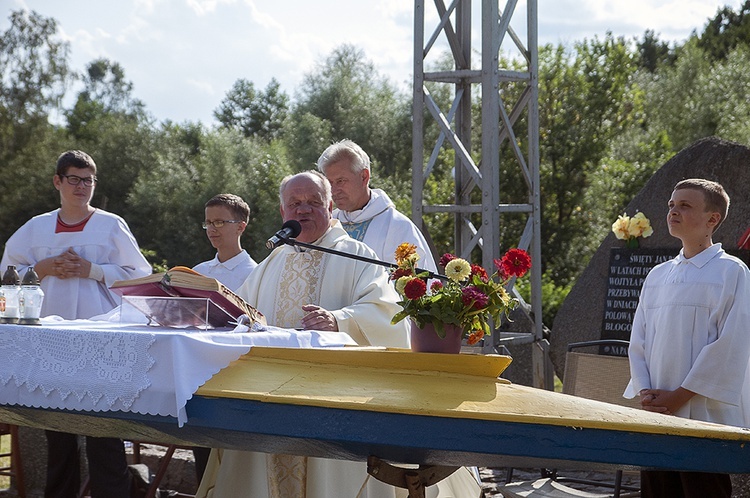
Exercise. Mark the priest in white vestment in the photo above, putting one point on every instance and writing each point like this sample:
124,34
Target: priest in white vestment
296,287
368,214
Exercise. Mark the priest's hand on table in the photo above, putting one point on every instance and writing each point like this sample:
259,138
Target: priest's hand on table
317,318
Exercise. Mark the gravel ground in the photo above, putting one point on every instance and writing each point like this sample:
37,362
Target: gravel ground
492,478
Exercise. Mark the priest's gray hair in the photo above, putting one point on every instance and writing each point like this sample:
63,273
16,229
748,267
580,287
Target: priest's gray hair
345,150
317,177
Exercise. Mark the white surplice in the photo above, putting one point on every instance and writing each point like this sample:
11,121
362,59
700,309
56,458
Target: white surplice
363,301
383,227
105,240
692,329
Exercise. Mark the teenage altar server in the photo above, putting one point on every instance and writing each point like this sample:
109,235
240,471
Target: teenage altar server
78,251
689,345
226,219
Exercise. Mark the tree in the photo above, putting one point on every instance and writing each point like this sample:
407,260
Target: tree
675,92
345,97
113,126
254,114
654,53
586,99
167,202
33,76
106,92
727,30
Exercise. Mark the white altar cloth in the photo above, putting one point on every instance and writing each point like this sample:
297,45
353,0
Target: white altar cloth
104,366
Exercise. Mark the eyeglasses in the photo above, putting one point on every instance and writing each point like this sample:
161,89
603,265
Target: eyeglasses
217,223
75,180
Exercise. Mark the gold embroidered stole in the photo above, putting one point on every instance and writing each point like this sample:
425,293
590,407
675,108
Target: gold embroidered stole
299,284
301,275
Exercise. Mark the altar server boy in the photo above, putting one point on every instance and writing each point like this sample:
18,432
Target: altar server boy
78,251
690,341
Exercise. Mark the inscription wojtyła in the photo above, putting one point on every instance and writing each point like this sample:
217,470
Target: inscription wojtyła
627,271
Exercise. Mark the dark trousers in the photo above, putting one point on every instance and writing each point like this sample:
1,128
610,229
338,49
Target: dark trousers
108,468
201,461
668,484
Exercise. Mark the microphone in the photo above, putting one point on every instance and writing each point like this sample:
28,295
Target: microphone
289,230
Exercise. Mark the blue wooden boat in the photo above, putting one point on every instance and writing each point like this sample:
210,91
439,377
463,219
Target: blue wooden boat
450,410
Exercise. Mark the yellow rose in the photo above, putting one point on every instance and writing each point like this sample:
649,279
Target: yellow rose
621,227
640,226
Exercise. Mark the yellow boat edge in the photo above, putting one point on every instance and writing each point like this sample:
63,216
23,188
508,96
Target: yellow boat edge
442,385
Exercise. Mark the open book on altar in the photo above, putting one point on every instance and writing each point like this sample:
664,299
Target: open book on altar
186,288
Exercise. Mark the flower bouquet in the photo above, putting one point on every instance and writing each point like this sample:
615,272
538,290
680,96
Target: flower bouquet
468,298
629,229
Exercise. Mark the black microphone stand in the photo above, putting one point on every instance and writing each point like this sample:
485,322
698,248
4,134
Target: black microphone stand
294,242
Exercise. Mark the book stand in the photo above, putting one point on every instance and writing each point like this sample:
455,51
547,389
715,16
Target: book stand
180,312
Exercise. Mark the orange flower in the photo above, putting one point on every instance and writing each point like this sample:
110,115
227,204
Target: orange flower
474,337
403,251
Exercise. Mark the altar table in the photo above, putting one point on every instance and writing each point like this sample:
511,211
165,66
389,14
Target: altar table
97,366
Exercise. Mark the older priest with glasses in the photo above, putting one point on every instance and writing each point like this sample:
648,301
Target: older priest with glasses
299,287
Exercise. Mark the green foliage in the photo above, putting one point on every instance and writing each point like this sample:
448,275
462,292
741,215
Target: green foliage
168,201
345,97
114,128
26,189
254,114
677,91
654,53
553,296
726,31
158,265
635,156
586,99
33,75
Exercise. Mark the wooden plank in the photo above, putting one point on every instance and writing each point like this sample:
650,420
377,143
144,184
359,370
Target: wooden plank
356,434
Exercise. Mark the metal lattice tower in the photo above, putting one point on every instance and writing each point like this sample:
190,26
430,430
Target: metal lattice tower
499,127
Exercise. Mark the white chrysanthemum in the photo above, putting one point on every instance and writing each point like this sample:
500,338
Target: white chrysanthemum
401,283
458,270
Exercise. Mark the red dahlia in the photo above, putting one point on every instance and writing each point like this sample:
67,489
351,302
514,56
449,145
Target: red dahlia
515,263
415,288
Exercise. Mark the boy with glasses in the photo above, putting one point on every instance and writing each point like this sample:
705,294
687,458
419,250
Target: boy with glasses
78,251
226,219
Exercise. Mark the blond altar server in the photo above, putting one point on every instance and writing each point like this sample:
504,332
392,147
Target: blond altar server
296,287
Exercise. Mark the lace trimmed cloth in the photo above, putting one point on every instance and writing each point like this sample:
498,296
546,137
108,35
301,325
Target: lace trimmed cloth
101,366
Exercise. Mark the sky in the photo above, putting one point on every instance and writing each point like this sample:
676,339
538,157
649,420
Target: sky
183,56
